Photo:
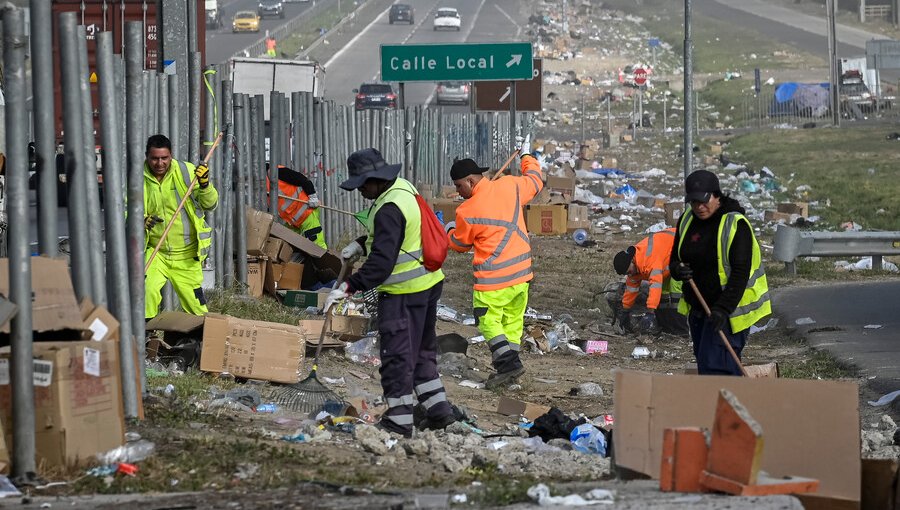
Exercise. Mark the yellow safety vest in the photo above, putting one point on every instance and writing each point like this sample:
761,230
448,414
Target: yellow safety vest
408,275
754,303
193,216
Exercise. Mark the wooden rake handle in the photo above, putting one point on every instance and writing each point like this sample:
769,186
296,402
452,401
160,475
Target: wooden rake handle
503,168
721,333
335,209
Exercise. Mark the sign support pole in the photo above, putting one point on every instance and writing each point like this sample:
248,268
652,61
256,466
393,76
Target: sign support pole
512,120
401,101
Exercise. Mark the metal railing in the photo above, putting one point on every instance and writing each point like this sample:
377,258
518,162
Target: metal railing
791,243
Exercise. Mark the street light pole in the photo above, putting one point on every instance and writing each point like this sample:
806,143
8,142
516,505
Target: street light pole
688,92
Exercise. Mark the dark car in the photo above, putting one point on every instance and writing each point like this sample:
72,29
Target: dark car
401,12
375,95
271,8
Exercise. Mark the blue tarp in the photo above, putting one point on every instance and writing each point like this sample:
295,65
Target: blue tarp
807,99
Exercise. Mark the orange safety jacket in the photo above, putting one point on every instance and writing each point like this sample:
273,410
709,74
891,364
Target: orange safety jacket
651,259
492,223
293,212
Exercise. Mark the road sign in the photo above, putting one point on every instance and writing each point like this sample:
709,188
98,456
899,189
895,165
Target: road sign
653,42
493,96
640,76
456,62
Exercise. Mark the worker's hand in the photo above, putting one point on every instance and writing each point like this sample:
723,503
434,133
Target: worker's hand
647,322
352,250
313,201
681,271
341,292
151,221
202,175
450,225
523,144
717,319
624,319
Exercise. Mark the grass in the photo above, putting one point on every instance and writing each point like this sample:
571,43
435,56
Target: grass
309,30
821,365
498,489
230,302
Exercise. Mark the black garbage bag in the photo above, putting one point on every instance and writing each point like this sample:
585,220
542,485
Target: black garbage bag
554,424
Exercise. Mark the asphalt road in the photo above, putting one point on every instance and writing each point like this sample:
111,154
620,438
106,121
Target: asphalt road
221,43
359,61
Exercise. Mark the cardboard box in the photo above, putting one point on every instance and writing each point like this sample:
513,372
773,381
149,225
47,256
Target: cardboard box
512,407
449,192
291,276
77,401
777,216
305,298
562,186
546,219
790,411
274,248
54,306
446,207
610,163
674,210
715,150
578,218
100,325
879,480
296,240
312,329
252,349
259,224
176,326
761,370
350,327
426,190
626,138
273,274
256,277
801,208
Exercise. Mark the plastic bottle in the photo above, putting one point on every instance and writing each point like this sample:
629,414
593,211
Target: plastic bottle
586,438
580,236
128,453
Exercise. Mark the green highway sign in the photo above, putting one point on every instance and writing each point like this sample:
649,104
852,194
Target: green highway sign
456,62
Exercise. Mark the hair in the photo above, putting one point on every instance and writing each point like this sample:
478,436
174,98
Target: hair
158,142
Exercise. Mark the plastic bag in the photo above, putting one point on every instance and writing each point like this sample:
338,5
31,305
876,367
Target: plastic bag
586,438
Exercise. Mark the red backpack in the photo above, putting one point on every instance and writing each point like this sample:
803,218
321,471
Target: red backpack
434,238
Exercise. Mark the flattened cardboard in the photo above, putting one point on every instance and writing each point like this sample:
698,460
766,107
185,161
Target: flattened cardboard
273,274
790,411
512,407
546,219
296,240
801,208
54,306
259,223
879,479
761,370
252,349
179,322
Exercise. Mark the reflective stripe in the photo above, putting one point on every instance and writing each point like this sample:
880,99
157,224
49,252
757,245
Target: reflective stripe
432,385
655,272
487,266
515,346
412,256
436,399
205,235
724,246
655,285
632,289
187,182
499,352
406,275
503,279
536,179
299,214
455,241
749,307
405,400
497,340
400,419
185,222
759,273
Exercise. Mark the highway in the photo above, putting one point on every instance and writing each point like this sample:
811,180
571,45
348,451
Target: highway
221,43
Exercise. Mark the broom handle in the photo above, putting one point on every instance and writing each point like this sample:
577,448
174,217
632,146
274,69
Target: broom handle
721,333
508,161
335,209
345,264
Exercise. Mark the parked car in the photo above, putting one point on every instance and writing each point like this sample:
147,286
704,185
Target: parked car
447,18
375,96
401,12
245,21
271,8
452,92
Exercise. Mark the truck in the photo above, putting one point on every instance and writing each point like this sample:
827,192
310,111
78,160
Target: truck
213,14
860,87
263,75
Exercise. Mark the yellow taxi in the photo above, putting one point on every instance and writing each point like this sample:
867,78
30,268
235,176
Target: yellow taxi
245,21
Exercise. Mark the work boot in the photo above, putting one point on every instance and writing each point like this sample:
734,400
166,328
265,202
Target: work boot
437,423
503,378
382,425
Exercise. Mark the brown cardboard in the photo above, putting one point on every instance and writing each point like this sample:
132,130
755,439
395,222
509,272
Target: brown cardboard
801,208
715,150
259,223
54,306
790,411
286,253
272,249
273,274
546,219
762,370
296,240
446,207
578,218
349,327
449,191
776,216
312,329
512,407
179,322
4,452
674,211
252,349
291,276
879,479
100,325
78,406
256,277
426,190
562,186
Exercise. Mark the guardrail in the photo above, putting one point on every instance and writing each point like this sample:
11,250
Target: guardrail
258,48
791,243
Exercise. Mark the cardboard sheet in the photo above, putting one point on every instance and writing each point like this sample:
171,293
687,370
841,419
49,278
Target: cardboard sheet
252,349
54,306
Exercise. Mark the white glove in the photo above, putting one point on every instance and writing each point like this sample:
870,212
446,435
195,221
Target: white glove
352,250
524,145
313,201
342,292
450,225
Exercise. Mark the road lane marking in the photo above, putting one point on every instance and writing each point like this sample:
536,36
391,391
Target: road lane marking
464,39
511,20
355,38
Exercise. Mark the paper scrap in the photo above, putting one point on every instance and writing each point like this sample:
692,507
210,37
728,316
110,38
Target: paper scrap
92,362
99,329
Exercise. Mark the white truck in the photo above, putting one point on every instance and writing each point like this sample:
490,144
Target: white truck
264,75
213,14
862,86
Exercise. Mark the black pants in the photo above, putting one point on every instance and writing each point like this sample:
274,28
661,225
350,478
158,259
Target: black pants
712,356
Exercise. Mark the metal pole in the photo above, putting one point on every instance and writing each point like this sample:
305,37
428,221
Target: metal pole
21,338
162,105
174,113
194,79
830,13
260,143
44,132
274,145
296,137
117,260
688,91
255,148
228,212
95,249
135,140
240,227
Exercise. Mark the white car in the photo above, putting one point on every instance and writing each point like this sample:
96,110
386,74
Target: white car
446,18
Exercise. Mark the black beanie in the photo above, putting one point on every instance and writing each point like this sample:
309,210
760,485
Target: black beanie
623,259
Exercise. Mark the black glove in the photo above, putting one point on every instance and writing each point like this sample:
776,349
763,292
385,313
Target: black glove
681,271
647,322
717,319
624,319
151,221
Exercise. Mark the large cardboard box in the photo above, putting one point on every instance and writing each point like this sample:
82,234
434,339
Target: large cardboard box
446,207
259,224
546,219
801,208
312,329
291,276
296,240
77,401
578,218
673,212
273,248
252,349
256,277
99,324
791,412
54,306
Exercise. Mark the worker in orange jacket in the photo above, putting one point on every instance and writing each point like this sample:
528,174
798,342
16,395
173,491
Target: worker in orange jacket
649,260
298,204
491,222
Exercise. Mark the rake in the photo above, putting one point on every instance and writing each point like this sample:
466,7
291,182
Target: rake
310,395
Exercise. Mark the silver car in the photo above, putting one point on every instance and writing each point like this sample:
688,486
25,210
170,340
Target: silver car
452,92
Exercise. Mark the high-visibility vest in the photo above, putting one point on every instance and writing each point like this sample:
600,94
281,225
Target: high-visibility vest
651,258
754,303
492,222
409,274
293,212
192,211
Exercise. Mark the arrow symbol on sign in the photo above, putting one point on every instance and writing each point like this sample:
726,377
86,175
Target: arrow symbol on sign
515,60
505,95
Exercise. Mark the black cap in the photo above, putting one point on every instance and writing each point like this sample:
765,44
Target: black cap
700,185
368,164
464,168
623,259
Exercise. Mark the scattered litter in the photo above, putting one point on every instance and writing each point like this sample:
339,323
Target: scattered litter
477,339
596,347
364,351
587,389
128,453
545,381
246,470
804,321
296,438
771,323
267,408
459,499
471,384
885,400
586,438
445,313
335,382
640,352
540,493
531,313
873,326
497,445
864,264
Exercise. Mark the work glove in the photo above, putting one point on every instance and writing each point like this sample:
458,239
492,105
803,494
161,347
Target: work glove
151,221
202,175
647,322
341,292
313,201
681,271
717,319
450,225
352,250
523,144
624,319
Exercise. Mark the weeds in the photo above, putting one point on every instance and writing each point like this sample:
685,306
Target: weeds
820,365
231,302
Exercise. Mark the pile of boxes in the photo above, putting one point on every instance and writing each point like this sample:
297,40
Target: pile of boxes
787,212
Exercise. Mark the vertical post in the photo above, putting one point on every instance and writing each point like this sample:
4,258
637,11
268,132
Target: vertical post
19,256
665,116
162,105
688,146
115,217
260,161
240,224
255,148
135,140
194,78
512,112
274,148
228,212
830,12
401,103
44,131
175,133
296,161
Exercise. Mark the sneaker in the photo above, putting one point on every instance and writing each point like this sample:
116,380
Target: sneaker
503,378
437,423
382,425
